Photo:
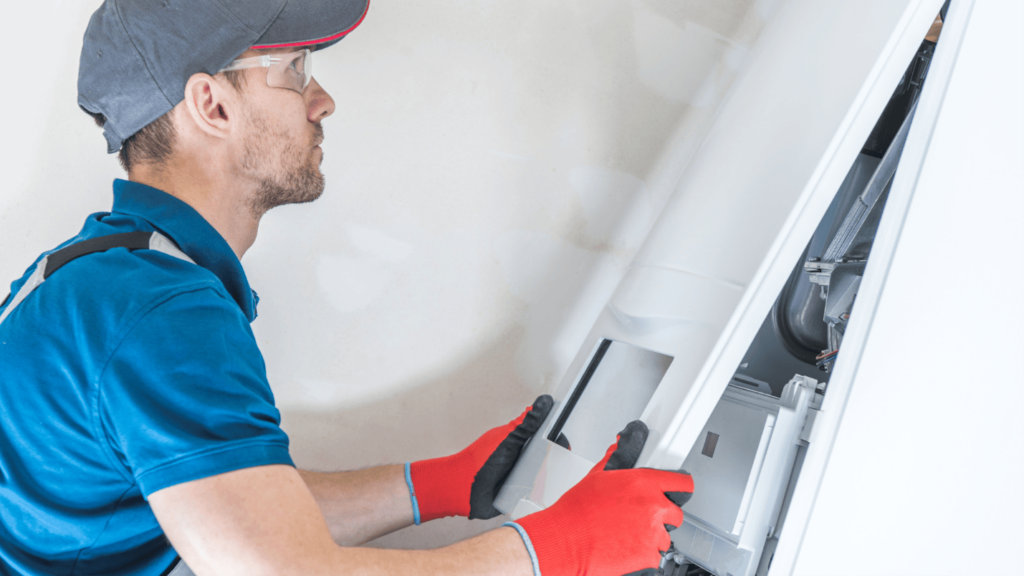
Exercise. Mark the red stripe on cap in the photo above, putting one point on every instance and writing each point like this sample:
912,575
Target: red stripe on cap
318,40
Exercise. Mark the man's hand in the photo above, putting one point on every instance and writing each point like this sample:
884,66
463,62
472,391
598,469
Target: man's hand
615,521
466,483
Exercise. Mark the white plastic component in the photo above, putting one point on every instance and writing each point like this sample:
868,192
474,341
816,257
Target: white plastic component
549,471
617,385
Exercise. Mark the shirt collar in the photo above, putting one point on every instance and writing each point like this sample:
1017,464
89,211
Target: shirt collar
191,232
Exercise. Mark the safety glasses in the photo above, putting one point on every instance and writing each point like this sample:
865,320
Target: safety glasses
291,70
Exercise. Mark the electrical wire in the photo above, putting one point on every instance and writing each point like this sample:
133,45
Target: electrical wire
826,354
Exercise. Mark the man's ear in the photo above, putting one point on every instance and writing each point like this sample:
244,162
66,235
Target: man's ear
211,107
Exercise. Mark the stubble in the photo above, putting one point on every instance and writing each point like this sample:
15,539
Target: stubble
284,170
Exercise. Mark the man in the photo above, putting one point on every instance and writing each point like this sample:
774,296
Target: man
139,433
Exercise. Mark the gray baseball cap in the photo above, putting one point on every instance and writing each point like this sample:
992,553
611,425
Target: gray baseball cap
138,54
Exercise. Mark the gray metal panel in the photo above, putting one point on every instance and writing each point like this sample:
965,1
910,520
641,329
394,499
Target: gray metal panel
723,477
736,500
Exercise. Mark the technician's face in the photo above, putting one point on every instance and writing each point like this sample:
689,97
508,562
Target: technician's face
280,140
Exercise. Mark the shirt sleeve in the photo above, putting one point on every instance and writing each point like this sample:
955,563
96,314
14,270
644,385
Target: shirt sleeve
185,395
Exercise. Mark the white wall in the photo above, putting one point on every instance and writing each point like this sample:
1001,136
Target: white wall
492,168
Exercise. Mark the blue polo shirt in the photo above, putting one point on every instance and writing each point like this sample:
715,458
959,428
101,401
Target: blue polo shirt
125,373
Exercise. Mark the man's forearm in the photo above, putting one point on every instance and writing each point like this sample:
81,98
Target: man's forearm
264,521
496,553
361,505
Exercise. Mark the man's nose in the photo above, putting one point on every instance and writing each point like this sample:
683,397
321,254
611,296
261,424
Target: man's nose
319,104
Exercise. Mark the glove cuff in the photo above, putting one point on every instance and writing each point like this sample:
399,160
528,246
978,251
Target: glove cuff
412,494
439,487
554,549
529,545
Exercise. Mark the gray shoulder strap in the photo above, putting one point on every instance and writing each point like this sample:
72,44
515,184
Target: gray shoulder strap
129,240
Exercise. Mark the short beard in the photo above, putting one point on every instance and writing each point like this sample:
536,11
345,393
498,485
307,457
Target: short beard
295,186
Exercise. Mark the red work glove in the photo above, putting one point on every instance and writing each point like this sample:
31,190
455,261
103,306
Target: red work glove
466,483
613,522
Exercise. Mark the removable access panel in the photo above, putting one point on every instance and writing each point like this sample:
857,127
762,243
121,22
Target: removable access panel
612,394
614,389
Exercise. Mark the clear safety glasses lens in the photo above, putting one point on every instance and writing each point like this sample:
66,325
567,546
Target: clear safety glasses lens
291,70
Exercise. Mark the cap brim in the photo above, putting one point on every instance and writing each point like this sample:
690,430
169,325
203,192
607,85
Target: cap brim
311,22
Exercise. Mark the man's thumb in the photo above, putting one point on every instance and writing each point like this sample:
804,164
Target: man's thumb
626,451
